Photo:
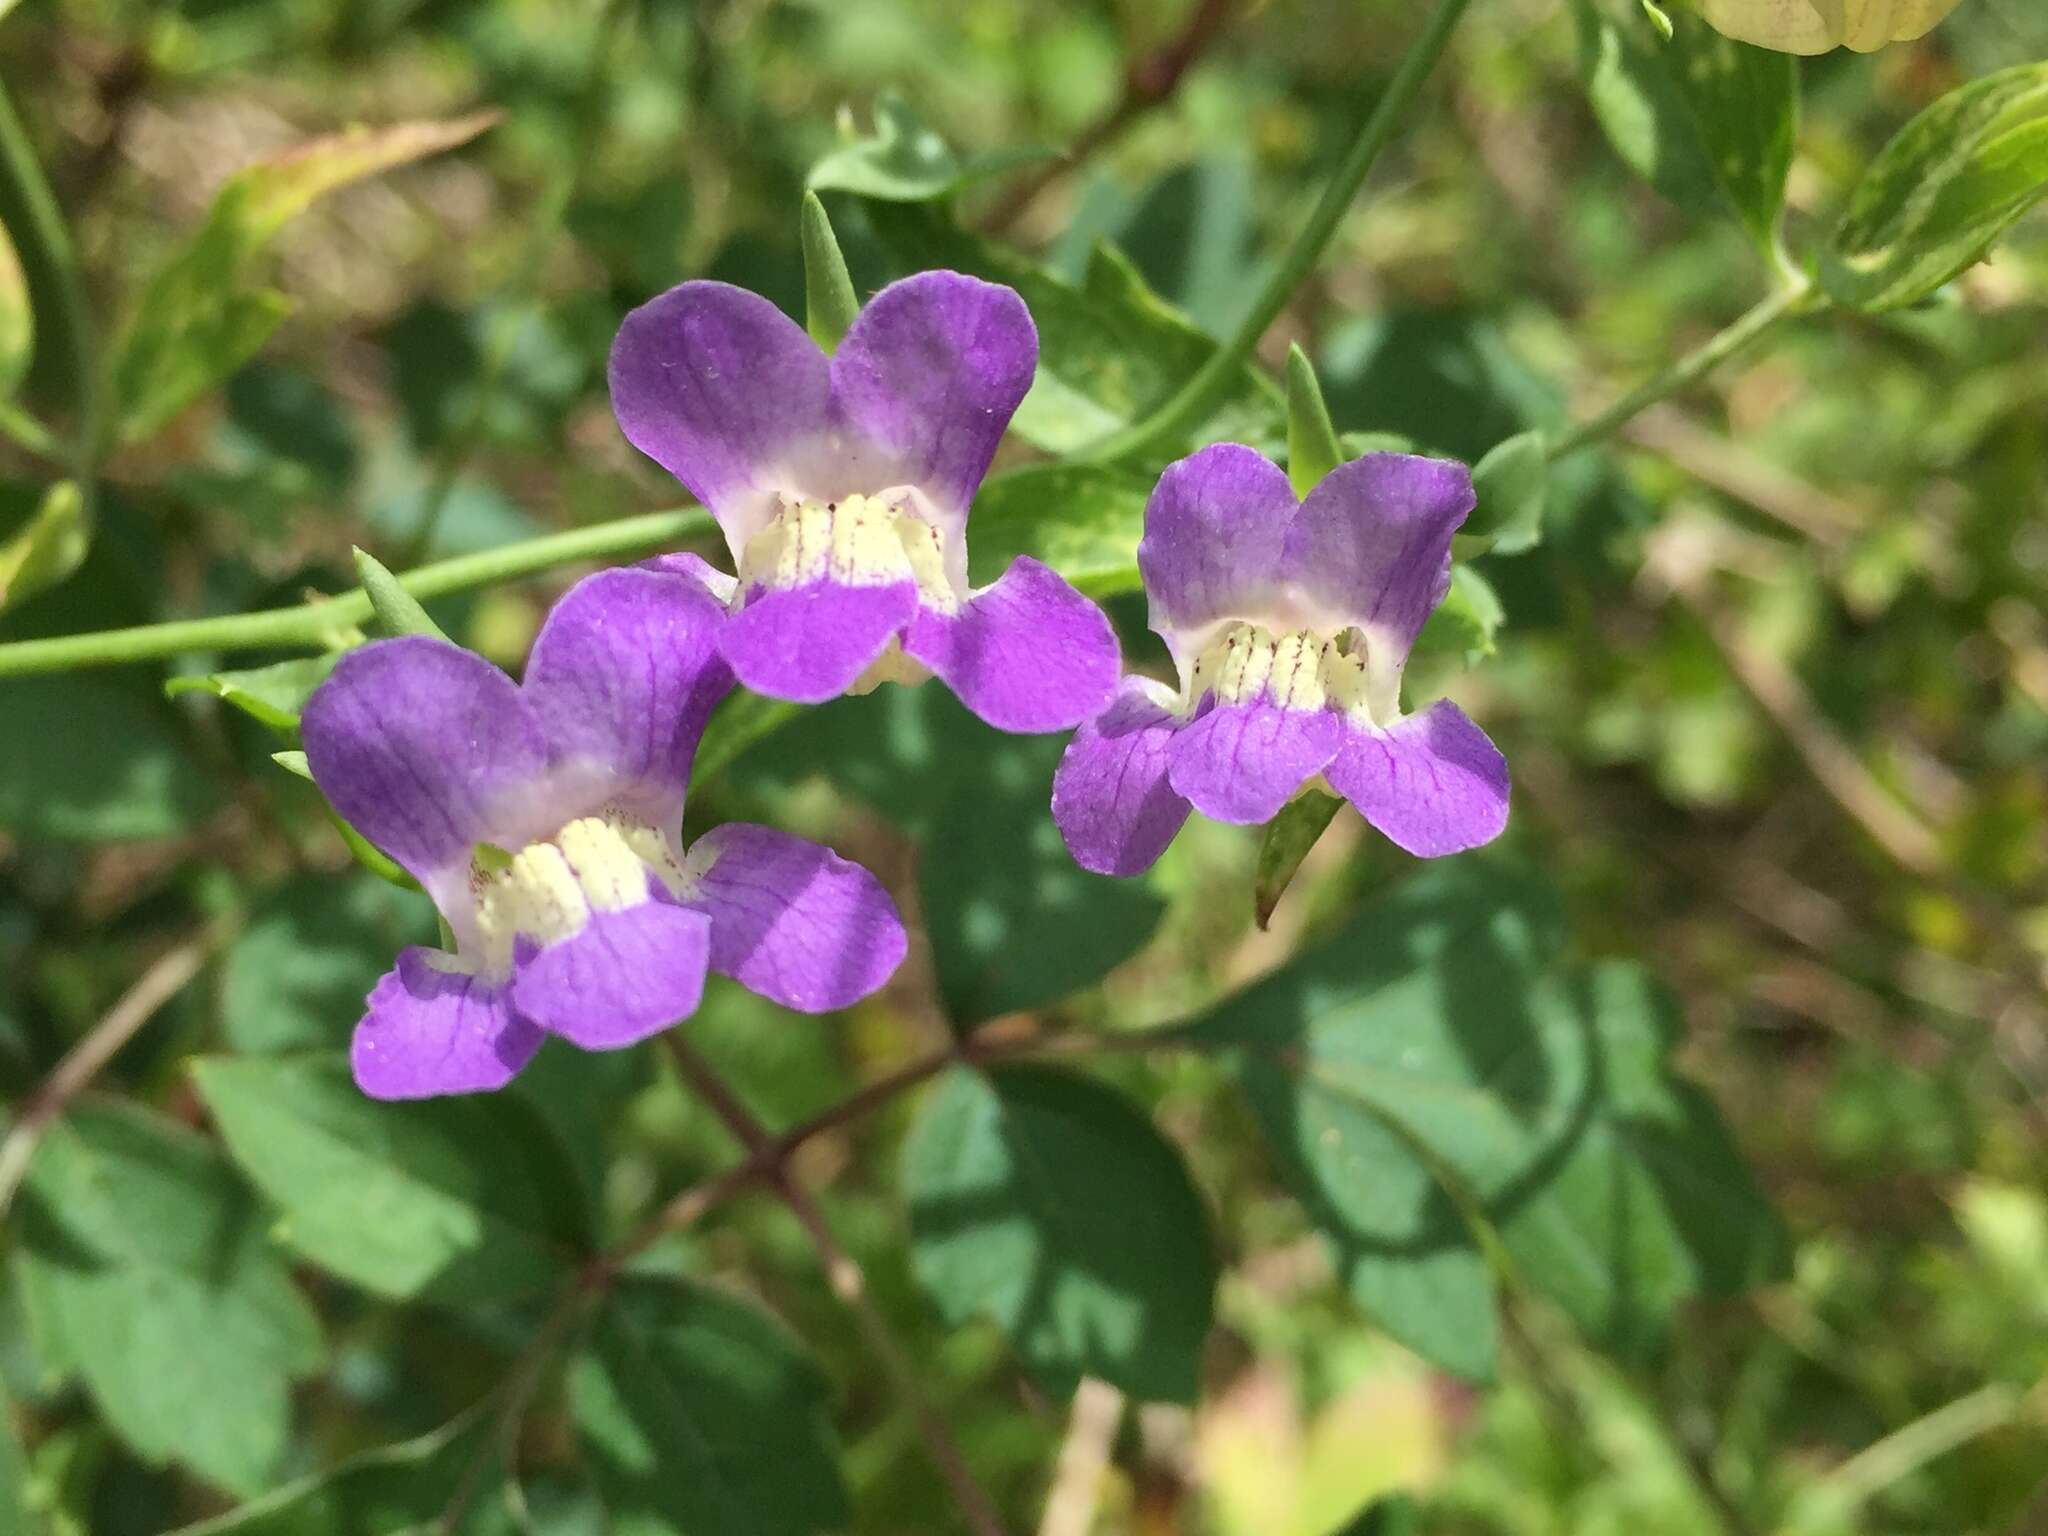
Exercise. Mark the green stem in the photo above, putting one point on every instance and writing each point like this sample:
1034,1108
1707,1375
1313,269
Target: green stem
1788,303
308,624
50,262
1207,386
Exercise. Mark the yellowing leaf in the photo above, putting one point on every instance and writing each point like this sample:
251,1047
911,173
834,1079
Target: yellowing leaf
48,548
17,319
202,315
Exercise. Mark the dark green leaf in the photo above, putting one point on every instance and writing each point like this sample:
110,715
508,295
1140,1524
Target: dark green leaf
460,1200
743,719
906,161
1107,351
86,758
1287,840
14,1507
1952,181
147,1271
1652,1203
1708,121
1395,1515
1047,1202
698,1414
297,976
1466,623
202,316
396,1488
1014,922
275,695
1082,520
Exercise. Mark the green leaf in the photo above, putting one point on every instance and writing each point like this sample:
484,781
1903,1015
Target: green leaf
49,547
1286,841
275,695
1014,922
87,758
1047,1202
147,1271
1708,121
741,720
1936,198
1512,483
1405,1044
398,611
17,320
906,161
1466,622
202,316
1312,447
395,1488
697,1413
459,1200
830,304
1397,1514
297,976
1652,1203
1083,520
1108,350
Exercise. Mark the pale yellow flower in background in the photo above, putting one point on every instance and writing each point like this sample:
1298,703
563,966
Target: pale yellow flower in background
1815,26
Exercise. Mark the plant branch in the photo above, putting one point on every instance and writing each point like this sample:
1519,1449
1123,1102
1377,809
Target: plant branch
1788,303
1212,381
1149,82
844,1275
163,979
309,624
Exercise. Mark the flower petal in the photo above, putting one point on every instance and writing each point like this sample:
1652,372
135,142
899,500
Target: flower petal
1371,545
1433,782
1241,763
626,974
681,562
432,1029
624,676
726,393
1110,797
931,372
1215,530
792,920
1026,654
426,749
810,643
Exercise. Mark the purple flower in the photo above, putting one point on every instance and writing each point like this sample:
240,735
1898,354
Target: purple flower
545,820
843,485
1291,623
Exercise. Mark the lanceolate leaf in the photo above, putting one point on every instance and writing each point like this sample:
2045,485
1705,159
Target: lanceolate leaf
147,1271
17,319
1952,181
48,548
905,160
1045,1201
461,1200
697,1413
202,316
275,695
1083,520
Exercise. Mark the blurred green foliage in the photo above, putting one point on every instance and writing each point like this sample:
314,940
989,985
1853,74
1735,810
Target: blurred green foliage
1781,612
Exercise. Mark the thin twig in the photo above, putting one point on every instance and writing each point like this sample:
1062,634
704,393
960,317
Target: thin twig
1149,82
163,979
843,1274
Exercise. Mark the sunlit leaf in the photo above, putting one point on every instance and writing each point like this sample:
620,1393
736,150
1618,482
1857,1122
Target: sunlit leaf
1946,187
459,1200
275,695
17,319
1083,520
1046,1202
48,548
148,1271
907,161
